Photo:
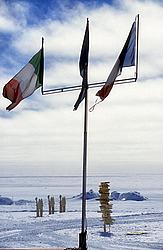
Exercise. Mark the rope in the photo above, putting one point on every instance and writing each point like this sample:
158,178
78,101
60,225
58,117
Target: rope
93,107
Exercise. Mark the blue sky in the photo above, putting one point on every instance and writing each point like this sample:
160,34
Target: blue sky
42,135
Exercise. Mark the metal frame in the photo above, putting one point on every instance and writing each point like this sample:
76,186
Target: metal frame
99,84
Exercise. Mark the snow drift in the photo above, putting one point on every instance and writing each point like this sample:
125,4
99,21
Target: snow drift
135,196
5,201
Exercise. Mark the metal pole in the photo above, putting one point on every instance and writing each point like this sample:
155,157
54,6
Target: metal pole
42,66
83,234
137,47
91,85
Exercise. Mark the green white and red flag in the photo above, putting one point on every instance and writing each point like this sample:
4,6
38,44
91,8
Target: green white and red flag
26,81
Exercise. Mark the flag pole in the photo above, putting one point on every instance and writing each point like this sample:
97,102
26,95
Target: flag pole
42,64
83,234
137,47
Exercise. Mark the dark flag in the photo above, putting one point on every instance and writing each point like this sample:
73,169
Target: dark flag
83,66
125,59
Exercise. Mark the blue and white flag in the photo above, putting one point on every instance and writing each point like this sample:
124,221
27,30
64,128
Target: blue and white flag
125,59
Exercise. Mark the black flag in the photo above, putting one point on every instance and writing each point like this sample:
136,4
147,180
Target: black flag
83,66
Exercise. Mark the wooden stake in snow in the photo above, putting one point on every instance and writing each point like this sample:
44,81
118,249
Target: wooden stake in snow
39,207
49,204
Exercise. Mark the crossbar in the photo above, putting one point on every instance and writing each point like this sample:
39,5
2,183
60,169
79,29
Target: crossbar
91,85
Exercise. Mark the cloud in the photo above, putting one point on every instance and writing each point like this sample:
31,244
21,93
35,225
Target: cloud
109,27
43,135
12,16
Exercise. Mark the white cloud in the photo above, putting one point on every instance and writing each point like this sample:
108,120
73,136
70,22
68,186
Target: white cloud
124,131
12,16
109,28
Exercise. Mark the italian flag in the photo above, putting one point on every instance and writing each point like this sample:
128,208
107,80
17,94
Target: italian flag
24,83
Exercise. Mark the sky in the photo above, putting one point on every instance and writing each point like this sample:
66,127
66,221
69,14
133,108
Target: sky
43,135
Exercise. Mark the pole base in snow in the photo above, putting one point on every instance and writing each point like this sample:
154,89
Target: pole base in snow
82,241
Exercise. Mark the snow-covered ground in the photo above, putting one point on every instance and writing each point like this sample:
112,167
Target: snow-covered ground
19,226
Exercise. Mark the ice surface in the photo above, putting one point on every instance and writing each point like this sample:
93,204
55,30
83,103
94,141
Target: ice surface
19,226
